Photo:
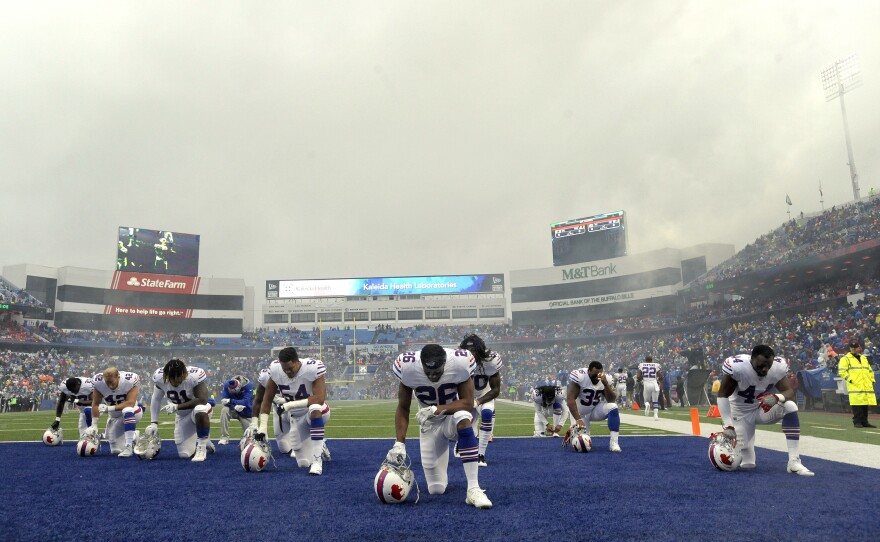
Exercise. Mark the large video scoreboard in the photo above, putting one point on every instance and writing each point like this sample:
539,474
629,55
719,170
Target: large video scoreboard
597,237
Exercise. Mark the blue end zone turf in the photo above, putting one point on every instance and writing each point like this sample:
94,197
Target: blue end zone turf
659,488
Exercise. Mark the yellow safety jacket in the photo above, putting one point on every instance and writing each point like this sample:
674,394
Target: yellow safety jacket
859,377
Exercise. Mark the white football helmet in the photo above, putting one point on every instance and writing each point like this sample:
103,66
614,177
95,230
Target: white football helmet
394,481
88,446
581,442
256,456
723,454
148,446
245,441
53,437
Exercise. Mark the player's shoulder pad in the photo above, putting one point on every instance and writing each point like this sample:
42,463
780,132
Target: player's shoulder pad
158,375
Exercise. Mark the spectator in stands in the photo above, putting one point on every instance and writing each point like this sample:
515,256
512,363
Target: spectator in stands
858,374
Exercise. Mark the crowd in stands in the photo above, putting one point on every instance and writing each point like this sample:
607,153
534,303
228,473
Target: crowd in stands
829,231
12,295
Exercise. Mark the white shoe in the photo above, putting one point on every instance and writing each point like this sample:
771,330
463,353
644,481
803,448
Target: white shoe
747,466
211,448
795,467
293,454
477,497
223,441
201,453
317,467
538,434
614,447
555,435
481,461
128,451
325,452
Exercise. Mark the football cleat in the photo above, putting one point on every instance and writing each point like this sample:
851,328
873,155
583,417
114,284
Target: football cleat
128,451
325,451
317,466
201,453
223,441
481,461
723,454
148,446
53,437
477,497
394,482
614,447
796,467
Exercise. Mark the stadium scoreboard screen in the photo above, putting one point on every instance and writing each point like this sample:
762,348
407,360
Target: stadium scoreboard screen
157,251
597,237
446,284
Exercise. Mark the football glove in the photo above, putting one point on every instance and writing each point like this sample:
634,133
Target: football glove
251,429
170,408
104,407
224,402
55,425
238,408
425,414
91,431
770,400
279,400
397,453
151,430
730,434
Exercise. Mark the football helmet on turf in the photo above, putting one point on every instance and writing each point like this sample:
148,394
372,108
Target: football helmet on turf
723,453
581,442
53,437
256,456
148,446
88,445
394,481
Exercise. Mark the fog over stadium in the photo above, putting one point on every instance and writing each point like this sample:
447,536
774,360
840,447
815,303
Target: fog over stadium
362,139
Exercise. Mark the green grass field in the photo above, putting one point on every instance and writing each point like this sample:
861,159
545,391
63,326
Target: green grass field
375,419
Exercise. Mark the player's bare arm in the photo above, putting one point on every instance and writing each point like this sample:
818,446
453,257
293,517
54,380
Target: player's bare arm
571,399
200,397
401,415
784,387
319,392
610,391
268,395
494,389
465,400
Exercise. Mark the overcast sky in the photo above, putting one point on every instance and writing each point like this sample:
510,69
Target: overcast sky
374,138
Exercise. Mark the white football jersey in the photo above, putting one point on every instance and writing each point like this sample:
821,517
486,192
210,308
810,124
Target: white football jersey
85,390
649,371
749,386
538,398
183,392
300,386
591,395
620,379
263,379
460,366
490,367
127,381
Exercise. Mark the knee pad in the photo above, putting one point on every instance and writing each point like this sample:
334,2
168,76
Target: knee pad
790,406
303,461
461,416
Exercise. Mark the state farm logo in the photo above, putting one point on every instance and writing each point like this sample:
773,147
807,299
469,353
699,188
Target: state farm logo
150,283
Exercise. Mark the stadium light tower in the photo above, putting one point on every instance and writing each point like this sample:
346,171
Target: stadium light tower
838,79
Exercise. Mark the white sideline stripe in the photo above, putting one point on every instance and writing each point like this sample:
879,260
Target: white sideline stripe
828,428
850,453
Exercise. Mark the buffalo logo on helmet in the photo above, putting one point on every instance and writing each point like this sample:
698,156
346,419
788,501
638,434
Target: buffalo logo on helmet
394,482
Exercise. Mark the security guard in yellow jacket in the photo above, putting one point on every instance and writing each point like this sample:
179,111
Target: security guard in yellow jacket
855,370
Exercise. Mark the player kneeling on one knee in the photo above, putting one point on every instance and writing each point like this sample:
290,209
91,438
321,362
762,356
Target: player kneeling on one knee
756,389
296,389
187,393
440,379
591,398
